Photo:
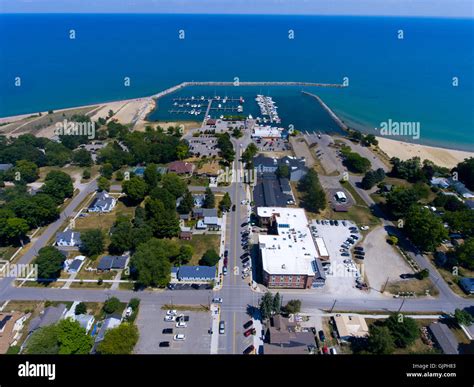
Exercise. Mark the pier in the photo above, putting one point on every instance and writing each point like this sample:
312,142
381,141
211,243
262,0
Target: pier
262,83
333,115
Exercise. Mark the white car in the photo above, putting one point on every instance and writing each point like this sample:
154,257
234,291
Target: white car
128,312
181,324
217,300
179,337
170,318
173,312
364,227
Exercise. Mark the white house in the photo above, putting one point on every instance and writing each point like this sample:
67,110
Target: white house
103,202
68,238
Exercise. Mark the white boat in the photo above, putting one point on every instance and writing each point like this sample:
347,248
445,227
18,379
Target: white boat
175,104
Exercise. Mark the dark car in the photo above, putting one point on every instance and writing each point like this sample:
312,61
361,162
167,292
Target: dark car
244,224
244,255
321,336
245,260
168,331
248,324
354,236
225,261
249,332
226,253
336,223
182,318
331,222
361,257
359,248
360,252
407,276
345,254
233,207
249,350
164,344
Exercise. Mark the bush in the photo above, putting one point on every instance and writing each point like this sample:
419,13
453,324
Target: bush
111,305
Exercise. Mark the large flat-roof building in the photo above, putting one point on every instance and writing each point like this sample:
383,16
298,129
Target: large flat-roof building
289,258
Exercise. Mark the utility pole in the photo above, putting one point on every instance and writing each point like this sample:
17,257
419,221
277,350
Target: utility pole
401,306
332,307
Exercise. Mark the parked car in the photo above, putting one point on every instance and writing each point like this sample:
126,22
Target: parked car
181,324
226,253
336,223
325,350
168,331
217,300
345,254
224,270
233,207
222,327
173,312
344,223
249,332
355,237
245,260
164,344
360,252
246,264
244,255
321,336
407,276
182,317
248,324
249,350
179,337
333,351
364,227
331,222
360,248
361,257
170,318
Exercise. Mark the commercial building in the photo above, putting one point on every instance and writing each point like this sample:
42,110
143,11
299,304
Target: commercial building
296,165
194,273
284,337
272,192
289,257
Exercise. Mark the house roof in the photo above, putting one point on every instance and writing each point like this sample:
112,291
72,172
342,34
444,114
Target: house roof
180,167
69,235
268,192
51,315
75,264
467,284
351,325
109,262
5,167
84,319
284,338
445,338
196,272
205,212
109,323
102,200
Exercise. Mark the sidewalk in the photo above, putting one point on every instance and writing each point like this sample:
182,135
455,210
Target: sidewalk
215,316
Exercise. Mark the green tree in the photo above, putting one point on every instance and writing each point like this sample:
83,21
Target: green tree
276,307
163,222
86,175
121,238
209,258
119,341
151,263
380,340
403,329
111,305
135,189
92,242
50,263
103,184
465,253
185,254
209,199
225,203
73,339
58,185
82,157
107,170
81,308
293,306
283,171
13,230
356,163
166,197
25,170
186,204
43,341
249,153
151,176
173,184
400,200
314,198
424,228
266,306
465,171
463,317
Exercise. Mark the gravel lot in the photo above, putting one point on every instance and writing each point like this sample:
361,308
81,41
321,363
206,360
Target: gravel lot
382,260
150,322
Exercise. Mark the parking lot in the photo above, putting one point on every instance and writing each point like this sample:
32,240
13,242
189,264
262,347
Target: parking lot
275,145
150,322
341,276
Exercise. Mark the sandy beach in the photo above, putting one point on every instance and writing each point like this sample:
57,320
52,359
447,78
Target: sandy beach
441,156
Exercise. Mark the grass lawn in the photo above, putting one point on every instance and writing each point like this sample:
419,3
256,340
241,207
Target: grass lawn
198,181
413,285
6,252
94,285
201,243
103,221
452,280
189,308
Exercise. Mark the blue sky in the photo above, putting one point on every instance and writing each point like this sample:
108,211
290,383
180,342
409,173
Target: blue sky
444,8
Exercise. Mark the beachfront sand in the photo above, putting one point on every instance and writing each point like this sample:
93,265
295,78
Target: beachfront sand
440,156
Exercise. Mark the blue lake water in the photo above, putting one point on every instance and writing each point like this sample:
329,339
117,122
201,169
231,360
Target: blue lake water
406,80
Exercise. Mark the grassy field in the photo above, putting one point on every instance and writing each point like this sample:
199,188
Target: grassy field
452,280
189,308
103,221
201,243
413,285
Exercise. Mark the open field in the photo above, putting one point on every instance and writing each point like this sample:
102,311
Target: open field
103,221
201,243
419,287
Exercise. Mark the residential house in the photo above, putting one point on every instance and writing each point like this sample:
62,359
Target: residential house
181,167
467,284
350,326
284,337
196,273
10,326
5,167
186,233
444,338
68,238
103,202
440,182
86,321
112,262
74,265
201,213
462,190
51,315
109,323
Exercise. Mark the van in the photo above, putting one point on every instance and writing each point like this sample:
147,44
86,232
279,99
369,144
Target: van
222,327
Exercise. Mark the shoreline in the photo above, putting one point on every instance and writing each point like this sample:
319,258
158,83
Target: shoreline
443,157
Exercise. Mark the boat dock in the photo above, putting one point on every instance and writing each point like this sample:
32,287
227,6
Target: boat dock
333,115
